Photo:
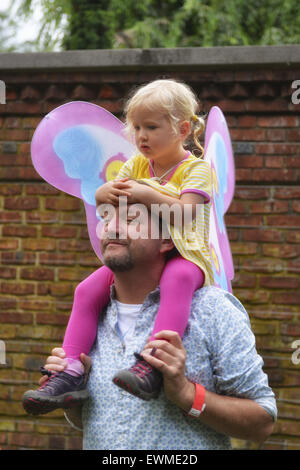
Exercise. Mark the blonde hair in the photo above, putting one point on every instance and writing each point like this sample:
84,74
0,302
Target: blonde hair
174,99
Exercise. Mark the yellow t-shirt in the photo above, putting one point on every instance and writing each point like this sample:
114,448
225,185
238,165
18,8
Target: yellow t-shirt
190,175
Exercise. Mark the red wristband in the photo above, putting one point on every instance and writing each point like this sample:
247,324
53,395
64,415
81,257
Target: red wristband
198,404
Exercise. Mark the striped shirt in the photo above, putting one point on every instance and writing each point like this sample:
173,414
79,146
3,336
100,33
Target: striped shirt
191,175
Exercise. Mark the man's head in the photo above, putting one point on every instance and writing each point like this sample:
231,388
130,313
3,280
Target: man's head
127,239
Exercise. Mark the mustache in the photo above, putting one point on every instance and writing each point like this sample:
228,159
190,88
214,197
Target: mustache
114,239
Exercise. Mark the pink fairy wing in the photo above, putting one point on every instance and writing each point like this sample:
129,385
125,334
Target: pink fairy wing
76,148
218,152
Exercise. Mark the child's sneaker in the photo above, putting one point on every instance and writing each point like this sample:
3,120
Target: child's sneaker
141,380
61,390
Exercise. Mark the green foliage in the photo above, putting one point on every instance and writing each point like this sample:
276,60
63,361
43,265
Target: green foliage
98,24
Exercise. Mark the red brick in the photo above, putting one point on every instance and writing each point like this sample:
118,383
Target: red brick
58,290
274,176
30,93
18,257
22,318
59,232
248,135
293,162
276,135
24,203
39,274
287,192
279,282
275,162
39,244
74,245
7,273
65,204
49,319
247,221
293,236
262,265
281,250
83,92
246,121
10,189
9,244
261,105
14,135
277,149
28,440
19,231
263,207
10,217
262,235
238,91
31,122
251,193
7,303
41,189
58,259
249,161
42,217
244,248
293,135
12,122
286,298
55,93
290,329
243,280
238,207
287,221
17,288
243,175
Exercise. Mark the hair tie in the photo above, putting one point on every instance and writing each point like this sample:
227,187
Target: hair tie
195,117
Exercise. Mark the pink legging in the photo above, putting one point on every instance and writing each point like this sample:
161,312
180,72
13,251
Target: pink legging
178,282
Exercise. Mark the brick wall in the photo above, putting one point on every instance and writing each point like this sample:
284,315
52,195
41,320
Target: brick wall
45,249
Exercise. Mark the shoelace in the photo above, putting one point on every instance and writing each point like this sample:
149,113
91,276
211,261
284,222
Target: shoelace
50,375
141,367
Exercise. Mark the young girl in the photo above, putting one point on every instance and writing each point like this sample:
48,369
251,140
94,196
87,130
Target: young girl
161,115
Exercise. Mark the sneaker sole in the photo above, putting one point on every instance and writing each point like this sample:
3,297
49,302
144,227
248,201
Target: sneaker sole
36,405
127,383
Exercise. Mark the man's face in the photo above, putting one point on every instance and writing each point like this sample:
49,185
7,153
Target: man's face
126,240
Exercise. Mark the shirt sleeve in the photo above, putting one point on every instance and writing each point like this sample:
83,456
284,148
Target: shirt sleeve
197,179
127,169
237,367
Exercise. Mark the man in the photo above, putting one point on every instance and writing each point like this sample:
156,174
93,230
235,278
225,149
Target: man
217,352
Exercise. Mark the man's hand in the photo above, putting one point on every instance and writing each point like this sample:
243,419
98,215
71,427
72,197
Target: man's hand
169,358
236,417
57,363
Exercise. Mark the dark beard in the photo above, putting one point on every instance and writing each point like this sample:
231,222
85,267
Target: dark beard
119,264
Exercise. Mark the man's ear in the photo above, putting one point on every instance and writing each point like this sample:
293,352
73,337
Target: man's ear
166,245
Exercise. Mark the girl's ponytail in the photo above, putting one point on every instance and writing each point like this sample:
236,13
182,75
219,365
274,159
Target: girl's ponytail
197,128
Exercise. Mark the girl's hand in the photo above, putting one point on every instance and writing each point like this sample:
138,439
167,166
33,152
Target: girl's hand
57,363
110,192
139,192
169,358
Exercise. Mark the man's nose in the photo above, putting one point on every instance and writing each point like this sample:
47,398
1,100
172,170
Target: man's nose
116,228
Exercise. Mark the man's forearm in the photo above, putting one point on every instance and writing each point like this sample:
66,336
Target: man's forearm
236,417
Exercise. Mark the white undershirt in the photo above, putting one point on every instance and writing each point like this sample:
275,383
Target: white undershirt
127,316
